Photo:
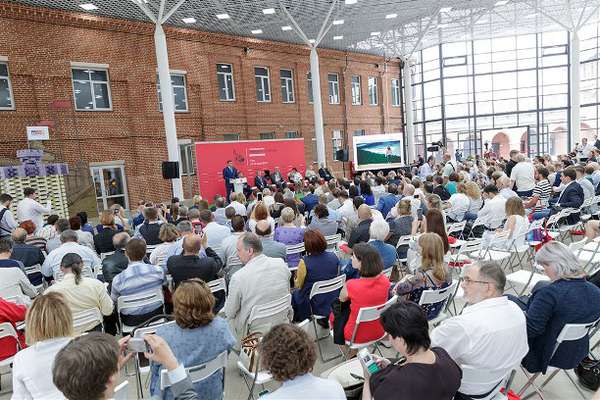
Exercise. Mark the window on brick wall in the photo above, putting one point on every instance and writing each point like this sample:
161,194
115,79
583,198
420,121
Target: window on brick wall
356,95
231,136
372,91
263,85
337,141
292,135
310,89
287,85
6,97
395,92
267,135
226,85
91,89
179,92
359,132
186,158
334,88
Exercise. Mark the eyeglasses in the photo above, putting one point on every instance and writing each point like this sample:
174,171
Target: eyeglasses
469,281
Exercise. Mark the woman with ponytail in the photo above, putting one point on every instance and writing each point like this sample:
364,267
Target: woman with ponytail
82,293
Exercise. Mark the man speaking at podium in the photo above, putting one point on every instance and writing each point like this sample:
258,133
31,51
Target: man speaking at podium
229,172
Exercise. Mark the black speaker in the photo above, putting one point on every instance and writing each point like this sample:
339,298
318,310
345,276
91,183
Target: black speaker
341,155
170,169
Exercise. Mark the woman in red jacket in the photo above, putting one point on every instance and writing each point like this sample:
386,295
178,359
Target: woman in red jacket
13,313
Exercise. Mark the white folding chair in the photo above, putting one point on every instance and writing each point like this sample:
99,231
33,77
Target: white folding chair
86,317
294,249
332,241
120,392
258,313
35,270
526,279
104,255
476,224
456,227
368,314
217,285
137,300
86,271
570,332
7,330
472,375
402,242
200,372
438,296
320,288
18,299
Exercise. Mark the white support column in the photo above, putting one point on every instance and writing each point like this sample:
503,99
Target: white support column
168,105
408,100
574,129
317,105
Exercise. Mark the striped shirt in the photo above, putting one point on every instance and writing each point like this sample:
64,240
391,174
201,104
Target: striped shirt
137,278
542,190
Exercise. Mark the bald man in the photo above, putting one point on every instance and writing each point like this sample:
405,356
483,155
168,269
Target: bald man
189,265
361,232
271,248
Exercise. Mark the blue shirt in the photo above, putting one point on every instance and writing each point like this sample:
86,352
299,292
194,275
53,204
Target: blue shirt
12,264
192,347
138,277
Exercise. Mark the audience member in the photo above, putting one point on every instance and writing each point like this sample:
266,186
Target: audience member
27,254
60,226
196,337
29,209
13,280
361,233
103,240
214,232
32,238
522,176
458,204
49,328
168,234
388,200
493,212
475,338
83,238
402,225
7,220
81,293
321,221
425,372
378,232
271,248
514,231
48,231
13,314
117,262
289,234
51,266
229,253
260,213
149,230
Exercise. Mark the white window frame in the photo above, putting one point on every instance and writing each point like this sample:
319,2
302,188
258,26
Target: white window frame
271,135
333,86
187,146
373,86
288,84
395,92
98,67
355,89
172,73
228,135
4,60
309,84
262,81
225,80
292,135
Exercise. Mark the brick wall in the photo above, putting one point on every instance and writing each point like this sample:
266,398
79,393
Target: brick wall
40,44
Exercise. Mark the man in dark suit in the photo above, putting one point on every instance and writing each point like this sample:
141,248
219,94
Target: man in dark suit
572,195
116,263
259,180
324,173
361,232
229,172
189,265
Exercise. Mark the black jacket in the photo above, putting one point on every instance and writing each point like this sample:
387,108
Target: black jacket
103,241
360,233
571,197
113,265
150,233
441,191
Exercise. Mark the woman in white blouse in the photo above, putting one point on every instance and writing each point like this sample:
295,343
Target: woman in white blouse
168,234
260,212
49,325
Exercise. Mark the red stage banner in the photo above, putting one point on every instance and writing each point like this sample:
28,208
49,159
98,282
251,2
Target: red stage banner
247,156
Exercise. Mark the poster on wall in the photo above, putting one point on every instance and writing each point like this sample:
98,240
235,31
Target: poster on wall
248,156
378,151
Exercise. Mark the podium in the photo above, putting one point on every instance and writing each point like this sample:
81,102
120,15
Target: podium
238,184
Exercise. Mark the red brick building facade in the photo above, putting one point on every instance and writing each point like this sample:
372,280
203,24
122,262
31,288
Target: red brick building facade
39,46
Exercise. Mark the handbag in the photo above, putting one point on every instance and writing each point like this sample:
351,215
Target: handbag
341,314
588,372
249,351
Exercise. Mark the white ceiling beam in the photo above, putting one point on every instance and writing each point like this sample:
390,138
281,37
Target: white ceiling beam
424,32
299,30
326,25
550,17
146,10
161,10
585,21
172,11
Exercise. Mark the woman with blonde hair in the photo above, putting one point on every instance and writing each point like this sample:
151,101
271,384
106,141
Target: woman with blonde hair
103,240
401,225
473,192
49,328
197,336
260,212
515,229
432,273
289,234
168,233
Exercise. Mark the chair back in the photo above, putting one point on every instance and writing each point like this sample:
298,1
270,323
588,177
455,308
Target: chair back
495,379
293,249
572,332
150,248
552,220
86,272
147,298
270,309
404,240
434,296
7,330
104,255
34,269
18,299
328,286
457,227
150,329
368,314
333,240
578,245
218,285
121,391
470,246
200,372
86,317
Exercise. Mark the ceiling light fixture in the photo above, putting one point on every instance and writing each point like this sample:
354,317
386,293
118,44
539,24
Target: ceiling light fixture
189,20
256,31
268,11
483,21
88,7
440,26
350,2
375,33
445,9
338,22
223,16
311,41
501,3
338,37
286,28
390,16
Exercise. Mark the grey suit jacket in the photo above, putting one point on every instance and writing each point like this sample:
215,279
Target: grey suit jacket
273,249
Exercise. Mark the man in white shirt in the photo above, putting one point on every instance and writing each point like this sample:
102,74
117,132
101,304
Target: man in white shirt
7,221
240,209
68,238
219,213
584,149
261,280
13,280
427,168
493,211
522,176
228,253
215,233
505,185
491,333
30,209
459,204
586,185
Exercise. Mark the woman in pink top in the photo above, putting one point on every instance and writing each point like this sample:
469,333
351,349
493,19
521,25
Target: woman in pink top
371,289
